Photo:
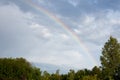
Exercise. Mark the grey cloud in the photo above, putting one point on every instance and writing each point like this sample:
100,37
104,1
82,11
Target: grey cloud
16,36
36,37
95,29
67,8
19,38
13,29
97,26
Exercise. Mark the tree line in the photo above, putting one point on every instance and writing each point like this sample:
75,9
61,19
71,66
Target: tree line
20,69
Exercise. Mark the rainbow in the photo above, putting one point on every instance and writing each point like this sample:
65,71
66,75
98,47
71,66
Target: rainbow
65,27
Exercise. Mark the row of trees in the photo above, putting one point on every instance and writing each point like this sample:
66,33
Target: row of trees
20,69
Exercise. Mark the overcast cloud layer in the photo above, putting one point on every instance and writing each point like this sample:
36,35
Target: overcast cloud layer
26,32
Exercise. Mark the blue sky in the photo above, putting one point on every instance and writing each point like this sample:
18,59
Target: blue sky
27,32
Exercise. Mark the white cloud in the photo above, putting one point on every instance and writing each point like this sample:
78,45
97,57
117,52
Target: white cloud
46,33
64,36
77,31
74,2
88,19
35,26
41,1
41,30
98,26
71,58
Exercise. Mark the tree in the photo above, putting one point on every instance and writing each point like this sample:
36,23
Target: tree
63,77
90,77
46,76
81,73
18,69
55,76
36,73
110,58
96,71
71,75
117,73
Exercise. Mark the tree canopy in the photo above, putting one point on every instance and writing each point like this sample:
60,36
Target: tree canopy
18,69
110,58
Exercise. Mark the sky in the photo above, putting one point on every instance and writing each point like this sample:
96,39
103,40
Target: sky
58,34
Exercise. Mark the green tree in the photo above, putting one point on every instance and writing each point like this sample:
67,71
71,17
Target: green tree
46,76
81,73
18,69
97,72
110,58
71,75
63,77
36,74
90,77
55,76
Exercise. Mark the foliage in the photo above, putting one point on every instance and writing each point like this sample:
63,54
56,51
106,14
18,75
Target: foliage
110,58
90,77
71,75
17,69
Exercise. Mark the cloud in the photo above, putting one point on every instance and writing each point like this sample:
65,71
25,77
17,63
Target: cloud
67,58
98,25
64,36
40,39
22,36
41,30
74,2
17,32
14,30
76,31
94,29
